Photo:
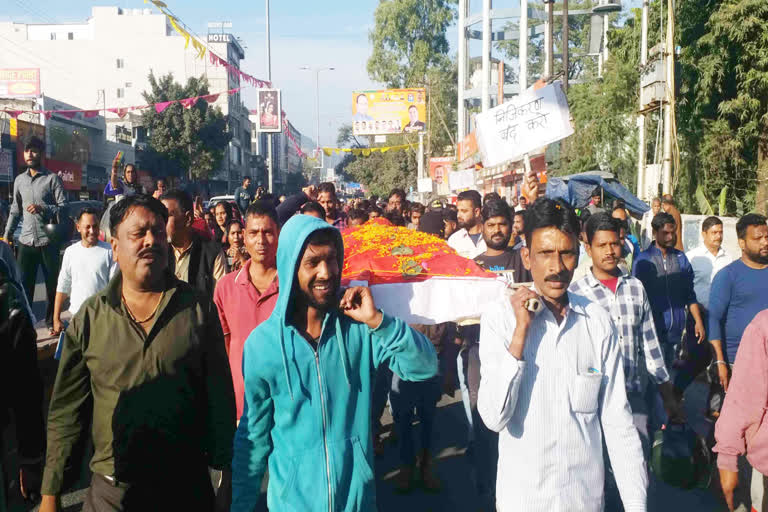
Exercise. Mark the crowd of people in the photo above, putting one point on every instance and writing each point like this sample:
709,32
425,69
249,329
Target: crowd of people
218,345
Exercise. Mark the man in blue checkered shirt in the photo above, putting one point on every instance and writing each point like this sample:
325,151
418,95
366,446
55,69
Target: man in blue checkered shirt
624,298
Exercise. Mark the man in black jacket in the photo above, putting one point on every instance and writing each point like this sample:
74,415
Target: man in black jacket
198,262
23,388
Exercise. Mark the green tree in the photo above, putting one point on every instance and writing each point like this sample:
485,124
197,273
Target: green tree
188,142
409,39
732,91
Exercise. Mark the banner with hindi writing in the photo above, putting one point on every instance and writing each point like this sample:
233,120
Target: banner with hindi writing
525,123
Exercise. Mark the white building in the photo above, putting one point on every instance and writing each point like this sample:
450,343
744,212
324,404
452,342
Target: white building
105,61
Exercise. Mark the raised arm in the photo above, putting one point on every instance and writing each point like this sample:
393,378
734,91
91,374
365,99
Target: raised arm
501,360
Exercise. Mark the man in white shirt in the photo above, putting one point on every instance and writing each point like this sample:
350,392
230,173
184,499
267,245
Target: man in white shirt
708,259
552,384
468,240
86,267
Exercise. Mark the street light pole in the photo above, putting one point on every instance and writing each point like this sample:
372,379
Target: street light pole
270,179
317,100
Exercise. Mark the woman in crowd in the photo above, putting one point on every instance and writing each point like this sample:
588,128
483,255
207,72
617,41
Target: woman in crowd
223,214
235,247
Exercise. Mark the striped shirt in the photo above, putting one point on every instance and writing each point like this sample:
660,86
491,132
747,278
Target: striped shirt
631,314
552,409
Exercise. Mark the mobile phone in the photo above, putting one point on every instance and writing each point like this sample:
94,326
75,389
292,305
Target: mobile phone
120,157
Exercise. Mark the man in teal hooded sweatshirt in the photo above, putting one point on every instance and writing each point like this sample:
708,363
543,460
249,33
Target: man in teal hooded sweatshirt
309,370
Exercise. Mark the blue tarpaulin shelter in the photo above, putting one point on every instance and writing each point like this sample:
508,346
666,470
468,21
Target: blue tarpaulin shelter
577,189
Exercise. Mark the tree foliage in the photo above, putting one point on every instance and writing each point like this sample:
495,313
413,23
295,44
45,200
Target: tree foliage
183,142
408,39
730,99
410,49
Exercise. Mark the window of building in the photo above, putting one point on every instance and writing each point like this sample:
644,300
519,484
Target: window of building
120,92
70,35
120,63
53,36
128,84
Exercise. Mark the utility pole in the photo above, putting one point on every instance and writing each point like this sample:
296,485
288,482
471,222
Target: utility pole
523,57
564,142
317,98
641,154
485,101
270,174
565,46
669,107
461,113
548,42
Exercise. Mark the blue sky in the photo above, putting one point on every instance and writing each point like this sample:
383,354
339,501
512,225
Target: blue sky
327,33
319,33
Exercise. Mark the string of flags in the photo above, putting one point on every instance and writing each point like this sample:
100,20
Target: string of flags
366,151
215,60
121,112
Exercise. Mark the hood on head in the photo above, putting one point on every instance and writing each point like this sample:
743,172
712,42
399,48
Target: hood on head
290,248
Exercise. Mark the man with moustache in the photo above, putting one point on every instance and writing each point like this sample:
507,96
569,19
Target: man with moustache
143,363
739,293
309,371
624,299
198,261
244,299
553,384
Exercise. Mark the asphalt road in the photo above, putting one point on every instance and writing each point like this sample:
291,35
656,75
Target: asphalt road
451,465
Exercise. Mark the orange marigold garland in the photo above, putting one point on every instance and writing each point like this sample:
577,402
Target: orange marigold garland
379,253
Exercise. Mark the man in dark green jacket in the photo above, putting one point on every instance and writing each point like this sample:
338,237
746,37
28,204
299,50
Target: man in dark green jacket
147,356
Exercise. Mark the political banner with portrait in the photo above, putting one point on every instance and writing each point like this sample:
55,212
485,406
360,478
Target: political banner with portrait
439,167
269,118
389,111
527,122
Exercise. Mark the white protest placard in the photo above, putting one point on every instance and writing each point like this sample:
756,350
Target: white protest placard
424,185
523,124
461,179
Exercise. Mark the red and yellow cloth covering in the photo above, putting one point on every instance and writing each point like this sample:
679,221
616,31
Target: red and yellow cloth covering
380,253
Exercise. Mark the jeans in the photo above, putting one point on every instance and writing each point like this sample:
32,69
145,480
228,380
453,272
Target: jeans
404,397
30,258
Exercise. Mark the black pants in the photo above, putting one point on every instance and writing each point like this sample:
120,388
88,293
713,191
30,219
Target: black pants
30,258
191,492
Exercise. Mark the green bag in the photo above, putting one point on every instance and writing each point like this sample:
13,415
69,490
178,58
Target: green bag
681,458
